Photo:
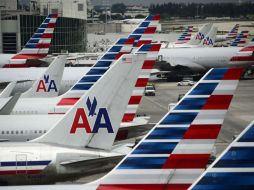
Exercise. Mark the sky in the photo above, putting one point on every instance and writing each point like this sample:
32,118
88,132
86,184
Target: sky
148,2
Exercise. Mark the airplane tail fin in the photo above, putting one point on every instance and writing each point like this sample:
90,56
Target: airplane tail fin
233,169
152,50
200,35
143,34
209,40
185,36
38,45
245,55
233,33
176,151
100,110
8,90
240,40
49,83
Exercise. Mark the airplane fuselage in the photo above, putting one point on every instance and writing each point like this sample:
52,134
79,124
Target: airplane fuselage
202,58
28,75
36,163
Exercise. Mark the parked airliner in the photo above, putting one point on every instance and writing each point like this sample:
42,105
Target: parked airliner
177,150
229,36
195,40
201,59
83,138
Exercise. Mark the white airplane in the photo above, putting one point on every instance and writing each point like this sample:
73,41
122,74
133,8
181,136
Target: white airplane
36,48
230,35
201,59
32,126
83,138
177,150
44,87
195,40
142,34
61,104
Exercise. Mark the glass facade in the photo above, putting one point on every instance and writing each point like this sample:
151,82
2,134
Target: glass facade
9,42
69,34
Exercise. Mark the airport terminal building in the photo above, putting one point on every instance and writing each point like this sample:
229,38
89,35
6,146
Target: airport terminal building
17,26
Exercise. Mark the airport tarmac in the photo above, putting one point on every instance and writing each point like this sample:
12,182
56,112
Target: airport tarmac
240,114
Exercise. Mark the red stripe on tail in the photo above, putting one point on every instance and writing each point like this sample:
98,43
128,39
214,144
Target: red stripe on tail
141,82
218,102
128,117
181,161
67,101
148,64
202,132
233,74
135,100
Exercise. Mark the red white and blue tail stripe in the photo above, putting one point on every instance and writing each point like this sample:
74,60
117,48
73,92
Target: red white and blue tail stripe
240,40
245,55
152,51
38,45
185,36
143,34
176,151
234,169
233,32
23,167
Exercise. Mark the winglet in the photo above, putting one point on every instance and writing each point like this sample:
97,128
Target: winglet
49,83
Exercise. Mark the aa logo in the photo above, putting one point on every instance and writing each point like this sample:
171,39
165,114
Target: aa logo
46,85
208,41
200,36
101,121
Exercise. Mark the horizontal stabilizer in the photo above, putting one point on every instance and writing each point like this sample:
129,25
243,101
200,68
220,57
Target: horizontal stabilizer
8,107
8,90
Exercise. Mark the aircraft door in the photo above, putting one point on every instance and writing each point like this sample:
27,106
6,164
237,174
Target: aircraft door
21,164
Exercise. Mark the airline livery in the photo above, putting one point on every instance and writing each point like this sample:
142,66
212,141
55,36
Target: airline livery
176,151
233,169
36,48
202,59
82,137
